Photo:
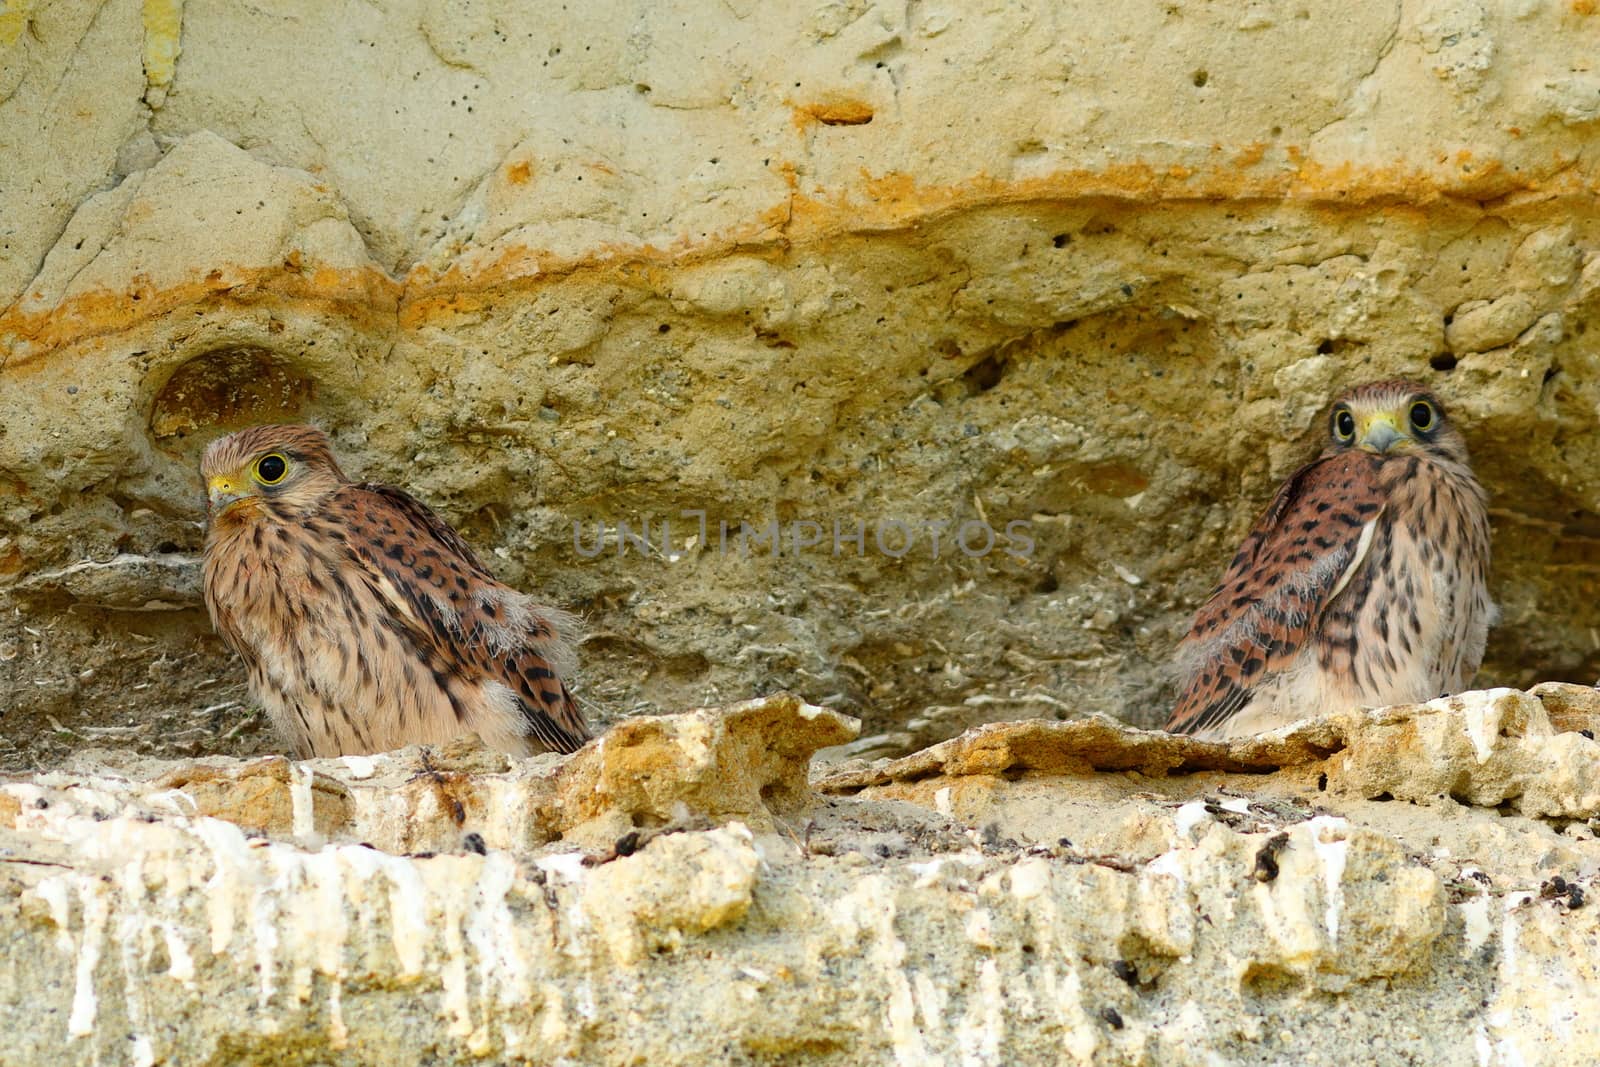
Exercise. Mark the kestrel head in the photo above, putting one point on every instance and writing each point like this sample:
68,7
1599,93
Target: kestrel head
284,470
1393,418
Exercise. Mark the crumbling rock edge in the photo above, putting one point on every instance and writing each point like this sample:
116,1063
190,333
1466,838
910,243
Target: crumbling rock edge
1409,752
1026,893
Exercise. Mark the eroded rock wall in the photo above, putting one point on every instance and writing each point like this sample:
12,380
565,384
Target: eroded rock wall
1028,893
1094,268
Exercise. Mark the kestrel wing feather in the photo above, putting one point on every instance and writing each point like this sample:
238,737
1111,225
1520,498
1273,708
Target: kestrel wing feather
1295,561
1249,557
433,579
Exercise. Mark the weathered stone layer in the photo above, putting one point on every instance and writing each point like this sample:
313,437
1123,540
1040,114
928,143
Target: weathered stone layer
971,908
1080,270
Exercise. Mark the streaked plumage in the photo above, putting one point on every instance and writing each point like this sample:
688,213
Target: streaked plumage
366,622
1363,584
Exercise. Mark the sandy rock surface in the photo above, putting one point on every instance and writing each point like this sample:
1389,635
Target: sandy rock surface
1086,268
1026,893
937,356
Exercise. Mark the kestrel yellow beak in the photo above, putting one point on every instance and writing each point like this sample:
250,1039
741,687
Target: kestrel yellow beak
1380,433
223,492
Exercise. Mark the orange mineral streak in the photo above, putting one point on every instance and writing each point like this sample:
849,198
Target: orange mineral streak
894,202
831,113
359,293
1249,155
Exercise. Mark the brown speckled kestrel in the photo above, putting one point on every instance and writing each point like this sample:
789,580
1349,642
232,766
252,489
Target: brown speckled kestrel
1363,584
366,621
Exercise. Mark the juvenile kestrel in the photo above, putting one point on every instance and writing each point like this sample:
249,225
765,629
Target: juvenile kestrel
366,622
1363,584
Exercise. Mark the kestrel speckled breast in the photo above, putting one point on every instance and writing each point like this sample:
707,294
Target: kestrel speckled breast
1365,583
366,622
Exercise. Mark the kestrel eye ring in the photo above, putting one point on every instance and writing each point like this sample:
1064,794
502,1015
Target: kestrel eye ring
1344,425
1422,416
272,468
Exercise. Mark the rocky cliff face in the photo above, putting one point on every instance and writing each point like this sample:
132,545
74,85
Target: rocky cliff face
1089,269
1414,883
936,356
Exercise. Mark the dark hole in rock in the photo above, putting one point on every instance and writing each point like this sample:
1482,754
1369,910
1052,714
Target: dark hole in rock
228,388
984,375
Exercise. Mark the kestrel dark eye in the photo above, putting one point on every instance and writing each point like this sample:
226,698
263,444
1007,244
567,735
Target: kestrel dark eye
270,469
1423,416
1344,426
